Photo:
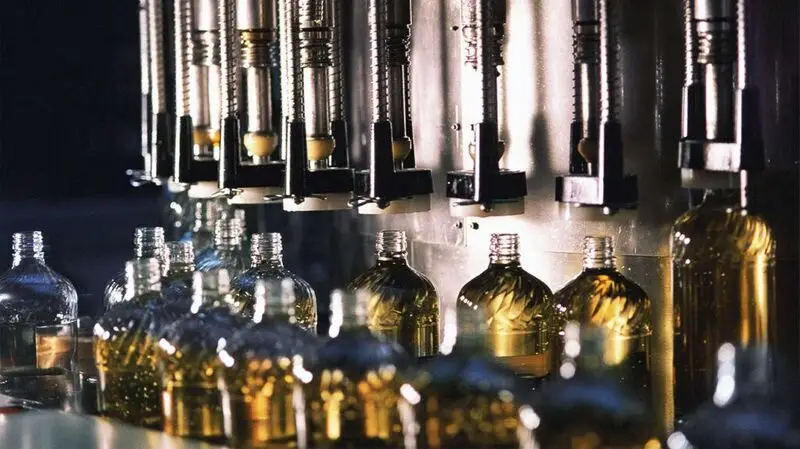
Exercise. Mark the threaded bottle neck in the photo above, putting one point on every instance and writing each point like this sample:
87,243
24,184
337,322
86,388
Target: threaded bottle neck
504,249
149,242
27,245
142,276
206,214
598,253
391,244
275,299
227,234
266,248
348,310
179,257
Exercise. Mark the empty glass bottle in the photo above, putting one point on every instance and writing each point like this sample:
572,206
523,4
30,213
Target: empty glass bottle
267,263
351,399
518,307
723,264
176,284
465,398
34,298
404,305
187,360
747,409
586,406
227,250
257,376
125,340
601,296
147,243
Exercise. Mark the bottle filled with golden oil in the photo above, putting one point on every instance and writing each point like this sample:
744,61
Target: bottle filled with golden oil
125,340
518,307
403,305
351,398
266,256
466,397
723,268
176,281
187,361
601,296
585,405
259,368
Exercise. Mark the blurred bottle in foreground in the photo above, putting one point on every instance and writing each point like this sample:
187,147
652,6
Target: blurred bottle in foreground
259,369
176,283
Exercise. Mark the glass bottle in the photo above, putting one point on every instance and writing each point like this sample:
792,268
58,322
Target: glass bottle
176,283
266,257
465,398
601,296
747,408
404,305
518,307
34,300
147,243
257,378
351,399
205,213
586,405
187,361
723,265
125,340
227,250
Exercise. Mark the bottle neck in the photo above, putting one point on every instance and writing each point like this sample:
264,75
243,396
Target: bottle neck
143,276
266,249
149,242
27,246
210,289
598,253
504,249
348,311
179,258
227,235
391,246
206,214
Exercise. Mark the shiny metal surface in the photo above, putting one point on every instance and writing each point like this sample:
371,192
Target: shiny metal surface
256,14
56,430
158,94
256,22
315,102
205,15
259,99
205,101
315,57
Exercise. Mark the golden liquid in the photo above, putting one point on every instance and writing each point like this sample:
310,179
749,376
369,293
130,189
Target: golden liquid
520,315
582,435
190,397
305,300
723,284
403,306
259,395
129,384
355,410
474,420
605,298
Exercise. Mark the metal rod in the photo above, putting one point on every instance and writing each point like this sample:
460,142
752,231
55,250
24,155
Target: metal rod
183,56
315,46
378,68
335,72
156,46
291,72
609,63
144,65
228,55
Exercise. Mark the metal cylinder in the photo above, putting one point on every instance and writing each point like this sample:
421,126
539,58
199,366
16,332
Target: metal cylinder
610,94
586,66
692,74
397,40
229,58
257,29
291,70
315,46
205,72
155,14
335,71
144,66
477,24
741,44
183,56
715,25
377,16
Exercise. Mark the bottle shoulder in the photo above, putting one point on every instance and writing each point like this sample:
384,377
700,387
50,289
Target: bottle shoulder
32,292
466,372
198,334
607,298
358,351
719,233
393,278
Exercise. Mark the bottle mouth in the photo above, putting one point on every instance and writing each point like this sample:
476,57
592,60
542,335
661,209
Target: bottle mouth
28,244
266,246
179,252
504,248
148,241
598,252
227,232
391,243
